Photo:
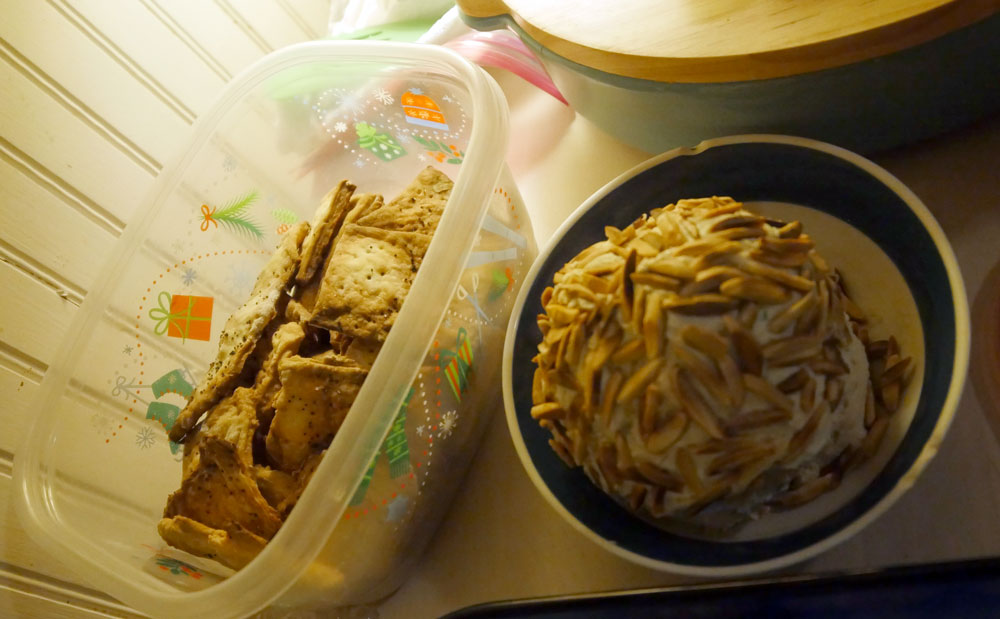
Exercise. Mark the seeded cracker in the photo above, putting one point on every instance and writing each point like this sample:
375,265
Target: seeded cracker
417,209
242,330
369,276
325,226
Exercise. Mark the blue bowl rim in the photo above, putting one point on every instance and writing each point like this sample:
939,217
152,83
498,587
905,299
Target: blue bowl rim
931,445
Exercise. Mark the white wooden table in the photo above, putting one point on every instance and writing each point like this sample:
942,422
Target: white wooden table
523,548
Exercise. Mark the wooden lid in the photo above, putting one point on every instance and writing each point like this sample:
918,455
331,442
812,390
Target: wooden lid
729,40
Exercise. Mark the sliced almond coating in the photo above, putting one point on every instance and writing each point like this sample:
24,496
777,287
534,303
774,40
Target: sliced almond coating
693,403
767,392
652,236
638,308
877,349
748,314
561,352
659,476
671,232
806,323
643,248
662,439
825,366
619,237
574,344
797,444
793,349
611,389
572,290
636,383
875,436
794,381
704,373
655,280
627,287
786,317
671,268
597,285
560,315
807,396
752,420
833,391
737,221
821,265
650,407
709,278
790,230
705,341
636,497
869,406
893,346
653,325
606,463
748,354
689,471
779,260
700,305
754,289
807,491
630,351
725,209
852,309
890,396
715,446
736,460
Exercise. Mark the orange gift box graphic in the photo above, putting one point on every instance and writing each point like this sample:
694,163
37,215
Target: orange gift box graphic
422,110
183,316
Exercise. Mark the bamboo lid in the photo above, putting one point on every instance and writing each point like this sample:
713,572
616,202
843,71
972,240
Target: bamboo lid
729,40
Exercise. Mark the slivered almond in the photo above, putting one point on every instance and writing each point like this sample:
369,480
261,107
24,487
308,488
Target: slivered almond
778,260
671,432
574,344
547,295
875,436
806,323
650,407
700,305
714,446
623,454
853,310
701,247
690,229
791,350
724,209
579,290
671,232
877,349
606,462
748,355
890,396
807,491
894,371
671,268
560,314
735,460
629,268
659,476
689,471
752,420
794,381
598,356
707,497
783,277
735,234
538,386
652,235
561,352
733,378
709,278
705,374
693,404
636,383
705,341
754,289
630,351
643,248
717,254
797,444
869,406
825,366
562,452
786,317
790,230
767,392
595,284
619,237
603,264
547,410
784,247
833,391
893,346
807,396
611,389
636,496
655,280
821,265
653,326
638,308
748,314
737,221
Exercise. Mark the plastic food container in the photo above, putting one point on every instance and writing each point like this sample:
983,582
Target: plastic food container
97,467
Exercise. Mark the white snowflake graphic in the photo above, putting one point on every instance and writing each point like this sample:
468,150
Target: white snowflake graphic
447,98
402,138
145,438
340,127
353,103
383,96
240,279
189,276
421,429
417,91
229,163
178,246
359,162
127,350
448,423
422,157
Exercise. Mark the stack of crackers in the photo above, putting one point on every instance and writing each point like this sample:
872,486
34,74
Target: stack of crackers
291,361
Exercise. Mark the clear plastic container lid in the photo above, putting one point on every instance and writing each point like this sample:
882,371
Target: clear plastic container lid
97,466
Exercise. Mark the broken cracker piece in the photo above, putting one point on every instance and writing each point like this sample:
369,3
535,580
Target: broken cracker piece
234,548
417,209
326,223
